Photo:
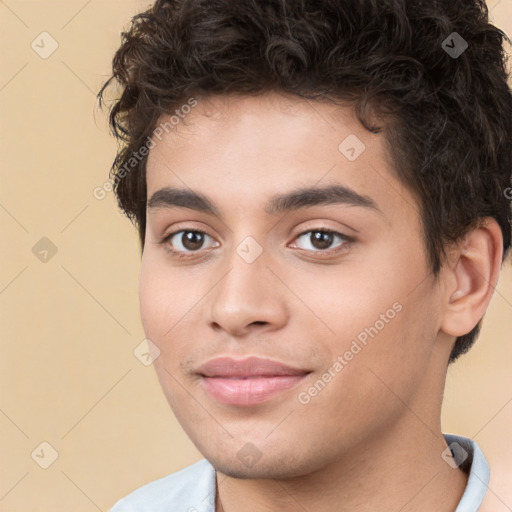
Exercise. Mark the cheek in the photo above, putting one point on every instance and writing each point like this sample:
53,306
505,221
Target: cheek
373,380
161,299
168,301
348,301
380,313
396,354
151,298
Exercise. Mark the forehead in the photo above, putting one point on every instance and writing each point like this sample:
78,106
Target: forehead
230,147
285,124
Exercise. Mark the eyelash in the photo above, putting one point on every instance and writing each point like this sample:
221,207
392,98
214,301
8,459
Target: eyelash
180,254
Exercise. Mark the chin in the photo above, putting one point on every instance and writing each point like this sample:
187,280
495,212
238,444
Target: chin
275,468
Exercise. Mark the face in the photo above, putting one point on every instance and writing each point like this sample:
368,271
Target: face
287,322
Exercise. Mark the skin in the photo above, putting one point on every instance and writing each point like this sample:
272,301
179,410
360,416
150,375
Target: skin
371,439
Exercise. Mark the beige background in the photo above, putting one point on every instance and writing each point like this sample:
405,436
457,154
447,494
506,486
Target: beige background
69,326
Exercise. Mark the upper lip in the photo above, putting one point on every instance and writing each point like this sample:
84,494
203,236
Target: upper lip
248,367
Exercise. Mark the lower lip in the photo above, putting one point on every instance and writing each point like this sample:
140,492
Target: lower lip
249,391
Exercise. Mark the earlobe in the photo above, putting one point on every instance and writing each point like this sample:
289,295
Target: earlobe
475,273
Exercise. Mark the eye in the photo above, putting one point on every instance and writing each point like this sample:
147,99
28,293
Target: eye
185,241
318,240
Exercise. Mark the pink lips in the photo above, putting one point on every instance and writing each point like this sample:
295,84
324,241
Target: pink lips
248,381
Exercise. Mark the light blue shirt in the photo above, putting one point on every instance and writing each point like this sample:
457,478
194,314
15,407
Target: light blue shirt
193,489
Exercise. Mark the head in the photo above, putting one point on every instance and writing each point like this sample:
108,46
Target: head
249,105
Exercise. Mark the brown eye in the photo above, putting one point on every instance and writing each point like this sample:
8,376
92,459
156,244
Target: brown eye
192,240
321,240
186,240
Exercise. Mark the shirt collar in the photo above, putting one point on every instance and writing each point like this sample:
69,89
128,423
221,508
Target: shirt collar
476,465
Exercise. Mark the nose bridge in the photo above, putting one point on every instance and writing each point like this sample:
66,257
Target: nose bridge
247,292
246,277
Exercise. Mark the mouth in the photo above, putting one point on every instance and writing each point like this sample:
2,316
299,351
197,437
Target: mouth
249,381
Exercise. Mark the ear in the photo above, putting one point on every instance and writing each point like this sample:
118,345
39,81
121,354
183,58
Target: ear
473,269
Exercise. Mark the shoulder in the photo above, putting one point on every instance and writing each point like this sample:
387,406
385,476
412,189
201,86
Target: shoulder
191,489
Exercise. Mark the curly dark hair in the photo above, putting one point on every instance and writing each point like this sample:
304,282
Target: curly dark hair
446,117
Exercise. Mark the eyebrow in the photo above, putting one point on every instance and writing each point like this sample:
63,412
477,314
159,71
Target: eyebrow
169,197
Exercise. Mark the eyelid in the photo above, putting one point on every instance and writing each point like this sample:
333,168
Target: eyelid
185,226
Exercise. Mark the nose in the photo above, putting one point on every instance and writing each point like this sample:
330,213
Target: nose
248,297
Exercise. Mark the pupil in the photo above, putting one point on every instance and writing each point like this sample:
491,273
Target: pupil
321,240
192,240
